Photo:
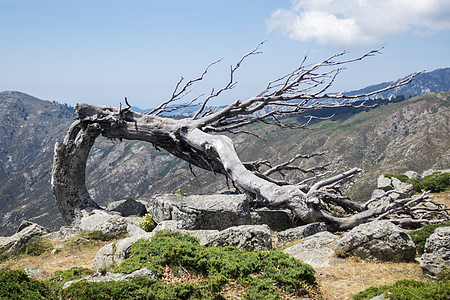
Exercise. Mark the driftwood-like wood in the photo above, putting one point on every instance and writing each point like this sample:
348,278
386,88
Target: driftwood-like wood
196,141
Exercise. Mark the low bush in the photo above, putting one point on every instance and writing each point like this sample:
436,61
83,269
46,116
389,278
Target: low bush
16,284
420,236
408,289
401,177
147,223
222,264
36,246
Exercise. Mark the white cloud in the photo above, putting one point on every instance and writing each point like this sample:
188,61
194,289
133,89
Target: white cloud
359,22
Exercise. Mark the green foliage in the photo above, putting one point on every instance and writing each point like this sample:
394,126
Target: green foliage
180,192
98,235
221,264
401,177
16,284
137,288
147,223
420,236
36,246
436,182
409,290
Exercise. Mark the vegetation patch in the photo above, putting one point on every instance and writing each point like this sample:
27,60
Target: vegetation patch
147,223
16,284
420,236
408,289
264,275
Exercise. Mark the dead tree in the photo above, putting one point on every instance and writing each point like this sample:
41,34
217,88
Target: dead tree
196,140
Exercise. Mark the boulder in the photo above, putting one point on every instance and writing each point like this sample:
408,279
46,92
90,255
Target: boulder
202,211
316,250
244,237
128,207
99,220
12,244
384,183
436,256
99,277
378,240
383,201
413,175
276,219
404,189
300,232
115,253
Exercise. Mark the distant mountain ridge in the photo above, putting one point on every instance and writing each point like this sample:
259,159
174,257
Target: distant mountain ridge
428,82
393,137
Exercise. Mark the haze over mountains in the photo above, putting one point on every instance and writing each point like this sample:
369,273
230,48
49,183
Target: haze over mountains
410,135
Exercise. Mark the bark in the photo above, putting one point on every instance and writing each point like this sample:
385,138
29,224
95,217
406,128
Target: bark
196,141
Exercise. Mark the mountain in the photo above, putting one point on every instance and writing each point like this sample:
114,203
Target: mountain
394,137
428,82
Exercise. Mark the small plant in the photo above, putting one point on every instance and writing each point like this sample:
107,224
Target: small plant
36,246
180,192
98,235
420,236
147,223
408,289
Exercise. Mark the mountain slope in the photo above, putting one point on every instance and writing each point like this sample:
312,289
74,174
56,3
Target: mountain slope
410,135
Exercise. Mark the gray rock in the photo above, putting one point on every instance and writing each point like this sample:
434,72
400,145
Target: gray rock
413,175
276,219
436,256
404,189
128,207
378,240
170,225
12,244
316,250
34,273
202,211
244,237
99,277
384,183
115,253
100,220
383,201
300,232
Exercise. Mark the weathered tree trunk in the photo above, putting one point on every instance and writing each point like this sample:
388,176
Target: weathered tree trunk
191,140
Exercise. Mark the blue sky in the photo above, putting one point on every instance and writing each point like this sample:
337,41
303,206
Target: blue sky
100,51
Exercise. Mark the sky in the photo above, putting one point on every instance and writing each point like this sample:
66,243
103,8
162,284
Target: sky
100,51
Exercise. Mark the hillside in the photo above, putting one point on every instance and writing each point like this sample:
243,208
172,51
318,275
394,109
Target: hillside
409,135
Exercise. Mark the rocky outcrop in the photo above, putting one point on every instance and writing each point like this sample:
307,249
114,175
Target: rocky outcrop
202,211
13,244
378,240
244,237
99,277
115,253
316,250
276,219
436,257
128,207
300,232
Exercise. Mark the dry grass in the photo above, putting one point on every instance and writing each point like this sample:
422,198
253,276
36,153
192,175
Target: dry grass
64,259
345,277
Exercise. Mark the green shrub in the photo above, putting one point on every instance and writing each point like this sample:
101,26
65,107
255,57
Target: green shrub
137,288
420,236
147,223
401,177
36,246
16,284
180,192
436,182
221,264
409,289
97,235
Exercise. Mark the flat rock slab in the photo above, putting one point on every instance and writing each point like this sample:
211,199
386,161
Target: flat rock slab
316,250
299,232
211,212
